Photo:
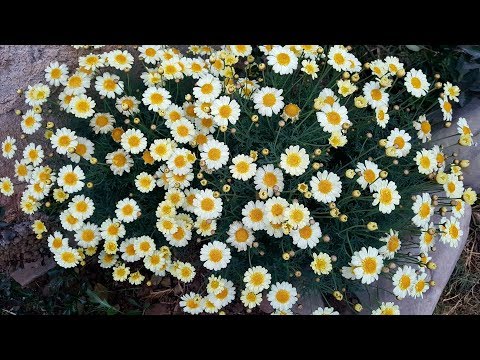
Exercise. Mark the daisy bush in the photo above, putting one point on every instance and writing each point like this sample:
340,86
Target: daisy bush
249,173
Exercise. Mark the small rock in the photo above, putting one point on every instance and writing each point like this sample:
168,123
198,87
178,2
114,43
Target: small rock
32,271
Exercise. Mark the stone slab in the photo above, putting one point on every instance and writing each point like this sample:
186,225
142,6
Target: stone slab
32,271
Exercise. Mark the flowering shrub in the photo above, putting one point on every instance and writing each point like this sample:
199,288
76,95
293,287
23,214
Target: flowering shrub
261,172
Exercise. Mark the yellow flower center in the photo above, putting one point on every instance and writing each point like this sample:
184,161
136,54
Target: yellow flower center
339,58
242,167
109,85
297,215
127,210
453,231
121,59
119,160
64,141
369,265
305,232
386,196
425,162
180,161
68,257
282,296
70,178
393,243
257,278
376,94
150,52
269,100
294,160
225,111
416,83
241,235
405,282
57,243
277,209
88,235
215,255
55,73
75,81
207,204
256,215
425,127
206,88
270,179
283,59
214,154
424,210
333,118
325,186
82,106
156,98
447,106
419,286
400,142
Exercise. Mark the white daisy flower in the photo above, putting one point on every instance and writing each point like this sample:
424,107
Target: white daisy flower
57,242
424,128
268,101
70,222
112,230
425,160
379,68
403,281
392,245
369,173
297,215
127,210
56,74
332,117
250,299
459,209
23,171
387,308
366,265
275,230
161,149
416,83
6,186
150,54
225,297
321,264
453,187
294,160
102,123
225,110
326,186
337,57
446,107
206,206
120,272
254,215
240,236
393,64
215,154
325,311
77,84
257,279
307,236
133,141
64,139
127,105
33,154
382,116
82,207
91,61
240,50
156,99
144,182
180,237
9,147
109,85
144,246
310,67
182,131
243,167
120,60
215,255
82,106
375,94
207,89
386,196
399,140
282,60
282,296
71,178
269,179
67,257
451,232
31,122
192,303
452,91
128,250
420,286
88,235
205,227
179,162
120,161
275,209
106,261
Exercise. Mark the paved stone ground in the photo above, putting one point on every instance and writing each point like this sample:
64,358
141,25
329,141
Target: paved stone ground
22,65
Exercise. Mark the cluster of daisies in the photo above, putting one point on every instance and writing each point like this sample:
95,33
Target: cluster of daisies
186,136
